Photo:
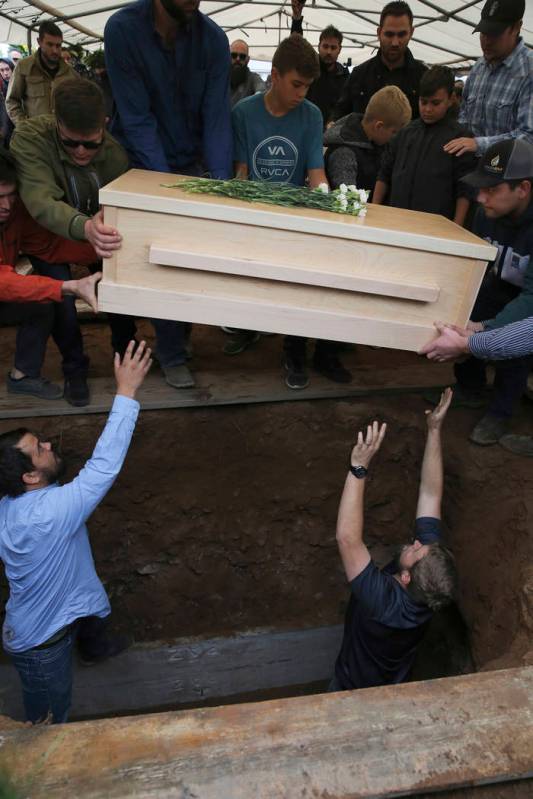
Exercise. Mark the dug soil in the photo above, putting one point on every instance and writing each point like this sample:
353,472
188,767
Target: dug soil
223,519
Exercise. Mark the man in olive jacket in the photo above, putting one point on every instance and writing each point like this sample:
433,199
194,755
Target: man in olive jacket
62,162
36,77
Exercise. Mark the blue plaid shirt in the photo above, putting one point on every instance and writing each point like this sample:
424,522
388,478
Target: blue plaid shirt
498,99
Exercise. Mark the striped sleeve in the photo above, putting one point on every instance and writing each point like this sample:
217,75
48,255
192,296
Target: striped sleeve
512,341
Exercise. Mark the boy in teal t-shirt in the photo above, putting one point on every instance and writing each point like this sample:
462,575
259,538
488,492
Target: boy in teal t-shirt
277,137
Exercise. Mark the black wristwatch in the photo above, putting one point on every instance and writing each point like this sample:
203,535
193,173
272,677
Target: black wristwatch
358,471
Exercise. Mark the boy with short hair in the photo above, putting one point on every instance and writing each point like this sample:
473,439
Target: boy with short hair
416,172
355,142
277,137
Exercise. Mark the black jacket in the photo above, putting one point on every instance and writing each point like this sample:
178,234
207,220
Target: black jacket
326,90
351,158
367,78
420,175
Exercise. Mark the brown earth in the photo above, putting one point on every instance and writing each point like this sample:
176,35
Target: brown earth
223,519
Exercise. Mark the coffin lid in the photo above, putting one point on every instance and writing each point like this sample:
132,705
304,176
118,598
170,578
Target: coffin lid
142,190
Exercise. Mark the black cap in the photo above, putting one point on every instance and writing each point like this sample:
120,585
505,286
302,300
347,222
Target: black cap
497,15
510,159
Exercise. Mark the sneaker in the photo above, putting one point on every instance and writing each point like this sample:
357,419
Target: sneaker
178,376
240,342
462,397
296,373
35,387
518,445
489,430
114,646
76,391
331,367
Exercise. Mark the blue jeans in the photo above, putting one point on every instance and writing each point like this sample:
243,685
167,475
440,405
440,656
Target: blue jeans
46,676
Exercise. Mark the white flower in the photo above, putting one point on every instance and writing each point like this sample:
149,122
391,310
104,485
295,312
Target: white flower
343,188
363,195
324,188
356,205
352,188
343,202
363,212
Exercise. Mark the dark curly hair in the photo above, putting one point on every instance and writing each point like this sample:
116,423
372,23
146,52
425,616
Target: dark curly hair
13,463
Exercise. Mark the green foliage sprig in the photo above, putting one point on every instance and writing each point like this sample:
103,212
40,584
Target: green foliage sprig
344,200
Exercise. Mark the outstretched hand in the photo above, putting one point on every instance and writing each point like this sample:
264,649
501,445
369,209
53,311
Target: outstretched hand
132,369
436,417
84,289
367,446
451,343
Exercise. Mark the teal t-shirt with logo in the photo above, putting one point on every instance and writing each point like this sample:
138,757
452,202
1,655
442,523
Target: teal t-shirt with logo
277,149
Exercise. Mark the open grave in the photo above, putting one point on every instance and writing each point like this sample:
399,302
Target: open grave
217,548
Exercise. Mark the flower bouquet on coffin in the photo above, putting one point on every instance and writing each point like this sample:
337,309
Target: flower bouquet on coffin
344,200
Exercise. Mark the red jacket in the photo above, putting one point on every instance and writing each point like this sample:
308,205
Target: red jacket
22,234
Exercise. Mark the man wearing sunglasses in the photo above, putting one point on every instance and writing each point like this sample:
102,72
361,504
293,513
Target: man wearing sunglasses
244,83
62,161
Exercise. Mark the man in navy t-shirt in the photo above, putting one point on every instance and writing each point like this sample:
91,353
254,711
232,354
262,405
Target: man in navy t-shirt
277,137
390,609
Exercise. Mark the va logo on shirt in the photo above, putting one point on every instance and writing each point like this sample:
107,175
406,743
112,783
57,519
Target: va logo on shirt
274,159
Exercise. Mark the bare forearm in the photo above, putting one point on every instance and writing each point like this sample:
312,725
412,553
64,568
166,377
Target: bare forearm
351,512
381,190
431,477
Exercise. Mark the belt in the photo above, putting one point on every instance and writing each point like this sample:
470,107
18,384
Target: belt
55,638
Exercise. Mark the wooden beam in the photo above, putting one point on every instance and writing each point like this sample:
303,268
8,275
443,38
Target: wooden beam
233,387
169,255
380,742
152,676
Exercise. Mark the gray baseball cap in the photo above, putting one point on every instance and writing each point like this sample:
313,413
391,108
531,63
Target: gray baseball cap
509,159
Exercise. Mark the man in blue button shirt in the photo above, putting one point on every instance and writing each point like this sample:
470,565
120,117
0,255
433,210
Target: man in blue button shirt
44,545
389,609
169,69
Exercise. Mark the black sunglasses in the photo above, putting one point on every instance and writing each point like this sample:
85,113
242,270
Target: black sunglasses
73,143
240,56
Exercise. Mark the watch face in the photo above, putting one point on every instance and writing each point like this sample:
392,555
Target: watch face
359,471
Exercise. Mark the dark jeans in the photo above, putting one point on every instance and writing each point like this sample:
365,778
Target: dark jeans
171,338
46,676
295,347
511,376
66,330
35,320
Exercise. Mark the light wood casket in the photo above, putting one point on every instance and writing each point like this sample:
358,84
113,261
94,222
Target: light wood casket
383,279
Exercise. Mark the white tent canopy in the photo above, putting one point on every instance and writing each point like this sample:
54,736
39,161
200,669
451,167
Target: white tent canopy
443,28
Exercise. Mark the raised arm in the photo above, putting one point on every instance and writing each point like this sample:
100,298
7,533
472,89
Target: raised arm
81,496
432,474
354,554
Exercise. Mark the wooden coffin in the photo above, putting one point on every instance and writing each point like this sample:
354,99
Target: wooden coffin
380,280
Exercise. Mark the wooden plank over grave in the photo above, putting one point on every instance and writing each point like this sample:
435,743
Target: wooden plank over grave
158,675
379,742
232,387
381,280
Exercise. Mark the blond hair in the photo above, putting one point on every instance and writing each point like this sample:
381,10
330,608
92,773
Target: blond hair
390,106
